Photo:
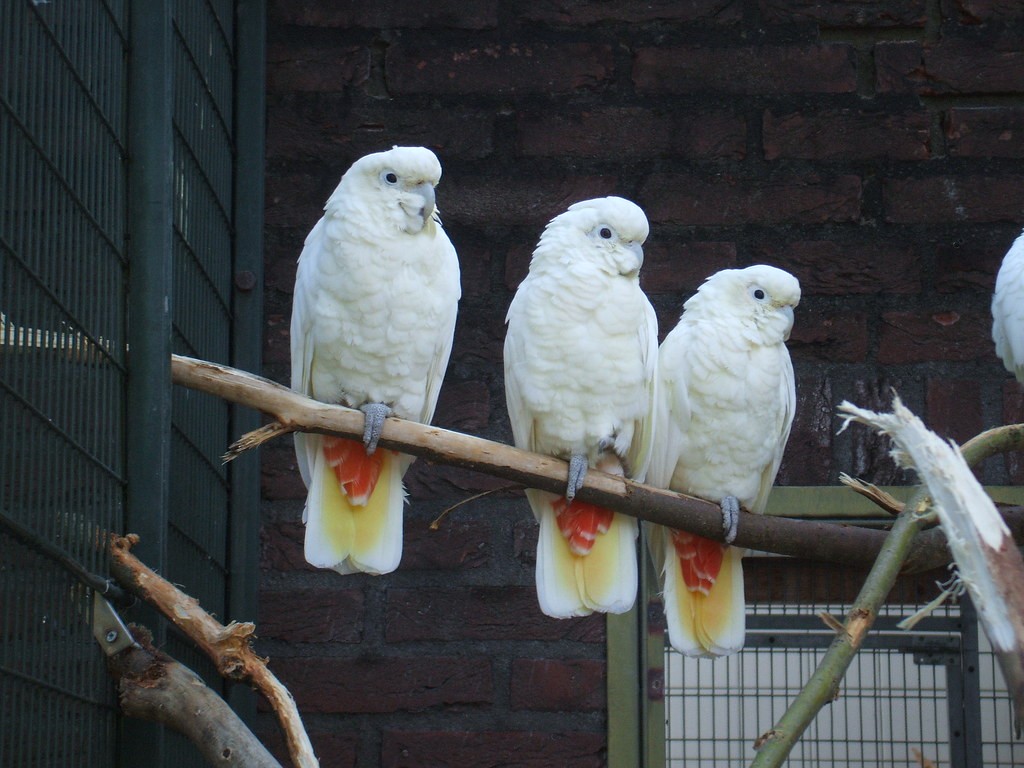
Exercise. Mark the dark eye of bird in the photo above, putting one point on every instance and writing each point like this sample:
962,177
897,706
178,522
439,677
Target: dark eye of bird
391,178
605,233
758,294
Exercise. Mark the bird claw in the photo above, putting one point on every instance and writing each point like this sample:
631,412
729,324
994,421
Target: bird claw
375,414
730,517
577,473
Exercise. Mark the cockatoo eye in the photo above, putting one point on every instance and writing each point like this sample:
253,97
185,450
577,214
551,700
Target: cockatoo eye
390,177
605,233
758,294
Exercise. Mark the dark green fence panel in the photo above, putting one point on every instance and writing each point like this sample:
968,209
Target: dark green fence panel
63,171
71,249
203,155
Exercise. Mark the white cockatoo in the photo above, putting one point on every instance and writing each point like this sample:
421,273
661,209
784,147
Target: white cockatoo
725,404
1008,310
373,316
580,356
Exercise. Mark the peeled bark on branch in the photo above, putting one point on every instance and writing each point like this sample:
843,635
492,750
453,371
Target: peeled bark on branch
812,540
228,647
152,686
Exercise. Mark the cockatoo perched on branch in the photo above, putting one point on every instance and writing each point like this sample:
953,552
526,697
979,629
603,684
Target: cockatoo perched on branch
726,398
1008,310
580,355
376,296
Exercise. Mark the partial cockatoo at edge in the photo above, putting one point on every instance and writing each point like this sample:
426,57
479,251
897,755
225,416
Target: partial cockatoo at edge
1008,310
726,398
580,356
376,295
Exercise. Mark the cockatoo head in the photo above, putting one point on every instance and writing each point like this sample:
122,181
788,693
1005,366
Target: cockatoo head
608,231
763,297
397,185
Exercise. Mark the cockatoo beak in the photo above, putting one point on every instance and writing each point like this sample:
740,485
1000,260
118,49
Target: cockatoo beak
637,252
426,191
418,206
787,311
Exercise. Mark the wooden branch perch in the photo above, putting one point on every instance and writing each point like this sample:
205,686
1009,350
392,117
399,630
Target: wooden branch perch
813,540
153,686
808,539
228,647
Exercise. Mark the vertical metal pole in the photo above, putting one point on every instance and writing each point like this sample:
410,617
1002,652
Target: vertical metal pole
969,669
247,306
148,421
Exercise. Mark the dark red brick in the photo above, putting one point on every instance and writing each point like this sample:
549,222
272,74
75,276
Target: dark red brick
627,132
318,63
829,268
950,67
328,131
982,11
372,14
869,450
498,69
682,268
333,750
385,684
908,337
844,13
1013,413
946,199
493,749
723,200
808,456
488,201
279,472
456,545
311,615
846,134
480,613
970,264
464,406
281,547
838,336
953,408
985,132
296,200
558,685
575,13
765,70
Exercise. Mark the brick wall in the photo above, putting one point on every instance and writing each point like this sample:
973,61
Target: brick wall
874,149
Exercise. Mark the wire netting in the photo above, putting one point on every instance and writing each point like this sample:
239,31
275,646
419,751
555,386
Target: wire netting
63,180
905,700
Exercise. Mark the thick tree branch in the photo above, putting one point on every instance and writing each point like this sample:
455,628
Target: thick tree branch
228,647
153,686
807,539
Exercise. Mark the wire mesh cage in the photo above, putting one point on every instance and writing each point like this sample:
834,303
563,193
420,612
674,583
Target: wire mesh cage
68,250
929,697
62,364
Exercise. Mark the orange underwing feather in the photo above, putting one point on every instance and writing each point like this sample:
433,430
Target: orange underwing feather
357,472
581,523
700,560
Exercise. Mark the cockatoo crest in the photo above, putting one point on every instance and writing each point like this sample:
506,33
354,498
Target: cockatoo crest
398,183
608,232
761,297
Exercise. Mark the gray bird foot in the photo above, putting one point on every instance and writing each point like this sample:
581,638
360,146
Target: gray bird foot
577,473
730,517
375,414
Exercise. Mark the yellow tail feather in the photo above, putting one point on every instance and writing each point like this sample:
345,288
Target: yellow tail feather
350,538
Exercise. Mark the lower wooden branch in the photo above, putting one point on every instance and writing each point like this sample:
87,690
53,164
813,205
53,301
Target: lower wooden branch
227,646
152,686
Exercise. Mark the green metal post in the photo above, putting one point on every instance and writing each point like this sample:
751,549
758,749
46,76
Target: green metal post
148,420
247,310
